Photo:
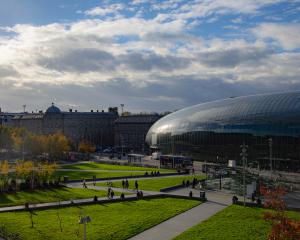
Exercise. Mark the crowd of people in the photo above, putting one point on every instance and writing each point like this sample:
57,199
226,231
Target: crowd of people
153,173
188,183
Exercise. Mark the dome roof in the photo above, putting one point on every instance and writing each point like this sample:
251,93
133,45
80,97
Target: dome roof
255,114
53,109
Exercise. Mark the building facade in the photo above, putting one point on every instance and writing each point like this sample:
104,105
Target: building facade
131,130
269,124
95,127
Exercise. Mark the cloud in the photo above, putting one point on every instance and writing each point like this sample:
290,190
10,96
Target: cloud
7,71
103,11
286,35
79,60
229,58
159,62
149,62
200,9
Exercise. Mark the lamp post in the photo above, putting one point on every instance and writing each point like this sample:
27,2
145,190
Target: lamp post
84,221
271,153
244,155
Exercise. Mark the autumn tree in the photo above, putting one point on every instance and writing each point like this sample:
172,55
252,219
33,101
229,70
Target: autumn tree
36,145
86,147
57,145
283,228
4,171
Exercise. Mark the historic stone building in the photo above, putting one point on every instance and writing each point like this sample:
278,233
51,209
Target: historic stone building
96,126
131,131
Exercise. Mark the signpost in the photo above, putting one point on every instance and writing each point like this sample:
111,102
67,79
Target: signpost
84,221
244,155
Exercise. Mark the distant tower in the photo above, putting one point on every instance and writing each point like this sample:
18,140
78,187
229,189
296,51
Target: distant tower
24,108
122,108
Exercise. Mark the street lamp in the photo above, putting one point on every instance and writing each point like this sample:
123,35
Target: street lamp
84,221
244,155
271,152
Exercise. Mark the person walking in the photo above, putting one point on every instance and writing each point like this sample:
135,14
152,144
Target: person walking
126,184
108,192
136,185
112,194
84,184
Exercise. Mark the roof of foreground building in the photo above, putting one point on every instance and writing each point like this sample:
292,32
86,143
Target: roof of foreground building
254,113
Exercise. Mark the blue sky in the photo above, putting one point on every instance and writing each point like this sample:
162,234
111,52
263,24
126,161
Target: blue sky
150,55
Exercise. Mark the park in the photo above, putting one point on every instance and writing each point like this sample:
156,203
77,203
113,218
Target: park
45,197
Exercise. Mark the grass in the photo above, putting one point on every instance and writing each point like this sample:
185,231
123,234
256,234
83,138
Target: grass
102,166
235,222
155,184
115,221
77,175
48,195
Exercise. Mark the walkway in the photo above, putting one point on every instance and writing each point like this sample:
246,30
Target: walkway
175,226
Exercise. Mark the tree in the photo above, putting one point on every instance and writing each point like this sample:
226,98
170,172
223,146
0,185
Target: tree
283,228
35,144
6,141
4,170
57,145
86,147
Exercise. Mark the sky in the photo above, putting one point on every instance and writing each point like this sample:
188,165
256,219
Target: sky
149,55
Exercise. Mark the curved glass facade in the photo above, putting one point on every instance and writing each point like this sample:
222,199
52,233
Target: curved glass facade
214,131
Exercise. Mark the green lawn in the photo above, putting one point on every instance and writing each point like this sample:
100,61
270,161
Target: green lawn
48,195
233,223
102,166
74,175
155,184
113,221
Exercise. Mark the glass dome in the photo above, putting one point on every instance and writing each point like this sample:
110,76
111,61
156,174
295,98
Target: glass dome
216,129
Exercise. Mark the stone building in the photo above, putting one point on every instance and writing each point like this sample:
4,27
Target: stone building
96,126
131,130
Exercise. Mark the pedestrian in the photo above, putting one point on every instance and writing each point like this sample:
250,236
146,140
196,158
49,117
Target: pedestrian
194,183
136,185
122,197
258,201
84,184
94,180
187,183
112,194
123,183
253,197
191,194
141,194
108,192
183,183
126,184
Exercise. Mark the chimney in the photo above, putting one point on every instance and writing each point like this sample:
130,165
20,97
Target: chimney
70,110
92,110
75,110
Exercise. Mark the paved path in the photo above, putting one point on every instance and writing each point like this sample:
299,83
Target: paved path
173,227
104,170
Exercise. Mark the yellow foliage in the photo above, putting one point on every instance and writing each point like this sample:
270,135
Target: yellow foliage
4,168
86,147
